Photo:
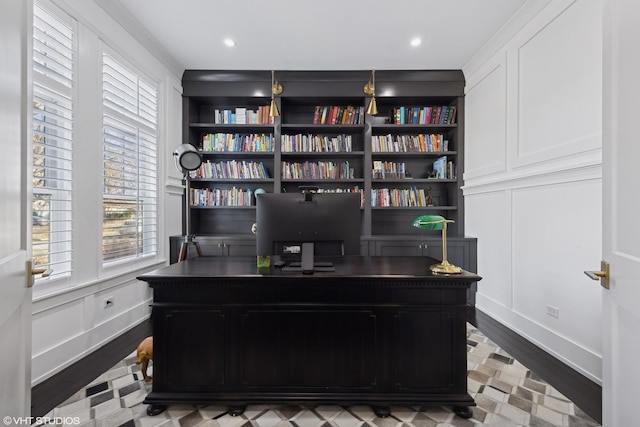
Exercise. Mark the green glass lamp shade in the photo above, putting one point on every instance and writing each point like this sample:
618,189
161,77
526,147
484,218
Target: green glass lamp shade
437,222
429,222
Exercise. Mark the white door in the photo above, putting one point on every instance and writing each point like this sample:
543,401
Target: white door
621,211
15,211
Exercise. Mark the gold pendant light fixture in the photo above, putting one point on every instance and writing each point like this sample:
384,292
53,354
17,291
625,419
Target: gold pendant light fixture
276,89
370,89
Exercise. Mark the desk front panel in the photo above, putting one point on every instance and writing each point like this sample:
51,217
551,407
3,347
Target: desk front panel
388,339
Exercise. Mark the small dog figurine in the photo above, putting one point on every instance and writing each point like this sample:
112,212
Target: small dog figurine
145,354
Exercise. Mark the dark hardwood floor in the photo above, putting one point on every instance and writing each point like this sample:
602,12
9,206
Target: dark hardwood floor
586,394
55,390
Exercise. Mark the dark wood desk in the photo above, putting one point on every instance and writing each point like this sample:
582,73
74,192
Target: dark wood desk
379,331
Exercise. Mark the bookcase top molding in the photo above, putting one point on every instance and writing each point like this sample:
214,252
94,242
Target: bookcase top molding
323,83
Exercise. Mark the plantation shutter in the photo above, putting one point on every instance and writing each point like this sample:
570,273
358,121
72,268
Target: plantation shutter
54,45
129,227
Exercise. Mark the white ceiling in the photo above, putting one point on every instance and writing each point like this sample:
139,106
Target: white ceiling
318,34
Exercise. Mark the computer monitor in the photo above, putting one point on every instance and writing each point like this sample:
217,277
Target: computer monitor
299,226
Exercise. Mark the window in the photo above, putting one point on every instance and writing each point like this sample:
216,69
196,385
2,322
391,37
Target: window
129,222
54,41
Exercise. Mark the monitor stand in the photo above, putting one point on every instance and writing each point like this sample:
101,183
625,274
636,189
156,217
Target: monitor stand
307,264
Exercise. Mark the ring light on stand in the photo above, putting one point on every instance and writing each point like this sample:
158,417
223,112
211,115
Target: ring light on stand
187,159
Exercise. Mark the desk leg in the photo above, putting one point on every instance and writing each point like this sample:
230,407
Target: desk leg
236,410
381,411
463,411
155,409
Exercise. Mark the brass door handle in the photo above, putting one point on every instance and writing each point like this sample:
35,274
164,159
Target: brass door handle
45,272
31,271
602,274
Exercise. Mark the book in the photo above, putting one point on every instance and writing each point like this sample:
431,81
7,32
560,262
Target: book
241,115
338,115
440,167
452,118
443,115
317,115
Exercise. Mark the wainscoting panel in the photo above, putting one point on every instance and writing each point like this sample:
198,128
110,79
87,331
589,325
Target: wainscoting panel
485,129
565,50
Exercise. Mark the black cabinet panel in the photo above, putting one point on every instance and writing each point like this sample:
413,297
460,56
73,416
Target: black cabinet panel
200,337
214,246
423,338
310,349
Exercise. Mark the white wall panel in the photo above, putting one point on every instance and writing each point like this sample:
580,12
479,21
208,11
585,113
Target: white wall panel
488,217
173,181
557,227
123,298
557,65
57,325
485,145
74,348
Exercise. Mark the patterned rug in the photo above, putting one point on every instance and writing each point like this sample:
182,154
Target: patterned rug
505,391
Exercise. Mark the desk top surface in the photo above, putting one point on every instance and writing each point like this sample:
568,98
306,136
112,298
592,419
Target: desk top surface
347,266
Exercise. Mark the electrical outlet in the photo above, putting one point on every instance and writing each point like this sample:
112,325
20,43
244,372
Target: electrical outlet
108,302
553,311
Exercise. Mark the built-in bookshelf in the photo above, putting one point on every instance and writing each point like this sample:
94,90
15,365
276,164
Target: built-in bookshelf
405,161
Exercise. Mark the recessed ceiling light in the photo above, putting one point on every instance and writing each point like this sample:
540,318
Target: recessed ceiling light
416,41
229,42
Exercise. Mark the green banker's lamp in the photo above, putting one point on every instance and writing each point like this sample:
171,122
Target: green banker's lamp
436,222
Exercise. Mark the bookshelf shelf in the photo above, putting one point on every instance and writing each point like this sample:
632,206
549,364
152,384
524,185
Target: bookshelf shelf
413,181
325,180
233,180
415,208
236,154
389,127
232,126
212,97
409,154
252,207
310,127
318,154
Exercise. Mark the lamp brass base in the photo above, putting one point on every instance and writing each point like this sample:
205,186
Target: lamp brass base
445,268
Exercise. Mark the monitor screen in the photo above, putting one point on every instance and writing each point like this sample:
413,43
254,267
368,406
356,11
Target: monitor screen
293,224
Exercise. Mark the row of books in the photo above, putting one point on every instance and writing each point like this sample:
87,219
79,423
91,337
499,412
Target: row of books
388,170
242,115
232,169
342,114
431,114
261,142
316,143
421,143
221,197
443,169
401,197
317,170
338,115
